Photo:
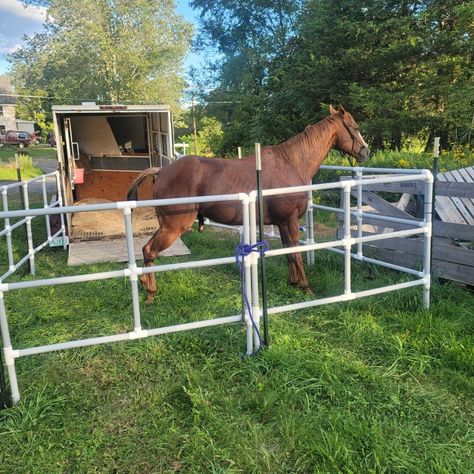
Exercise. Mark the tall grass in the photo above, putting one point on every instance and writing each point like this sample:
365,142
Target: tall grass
27,169
457,158
375,385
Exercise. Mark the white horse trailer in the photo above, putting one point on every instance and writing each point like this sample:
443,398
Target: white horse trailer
101,149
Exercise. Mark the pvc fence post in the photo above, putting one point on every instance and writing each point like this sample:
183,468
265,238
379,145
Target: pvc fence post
11,263
132,267
46,206
8,352
428,208
29,234
310,229
433,209
239,152
359,215
22,200
60,202
247,273
347,239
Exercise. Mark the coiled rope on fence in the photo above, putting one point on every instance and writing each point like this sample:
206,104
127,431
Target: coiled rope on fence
241,252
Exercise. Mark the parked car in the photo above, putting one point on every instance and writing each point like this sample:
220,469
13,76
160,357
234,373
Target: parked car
15,138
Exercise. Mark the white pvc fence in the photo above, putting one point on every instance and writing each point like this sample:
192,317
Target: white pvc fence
249,224
24,187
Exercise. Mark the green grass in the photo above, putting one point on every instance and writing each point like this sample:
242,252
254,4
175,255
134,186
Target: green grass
28,170
455,159
36,151
375,385
8,170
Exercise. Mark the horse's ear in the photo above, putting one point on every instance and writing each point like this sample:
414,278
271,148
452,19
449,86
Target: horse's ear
341,109
332,110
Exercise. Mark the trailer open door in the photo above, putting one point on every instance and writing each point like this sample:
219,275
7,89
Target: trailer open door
72,152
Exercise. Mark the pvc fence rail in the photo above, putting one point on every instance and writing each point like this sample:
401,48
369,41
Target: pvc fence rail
23,187
249,236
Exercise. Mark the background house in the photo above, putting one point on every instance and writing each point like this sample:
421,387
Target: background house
8,120
7,105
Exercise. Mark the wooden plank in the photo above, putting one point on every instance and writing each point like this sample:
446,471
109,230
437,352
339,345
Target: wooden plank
446,188
447,211
453,271
396,257
440,229
410,187
442,269
467,202
443,188
457,201
446,253
403,201
442,248
468,180
115,250
376,222
383,206
470,171
454,231
465,175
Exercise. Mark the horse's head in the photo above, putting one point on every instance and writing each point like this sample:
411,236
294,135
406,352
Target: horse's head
349,139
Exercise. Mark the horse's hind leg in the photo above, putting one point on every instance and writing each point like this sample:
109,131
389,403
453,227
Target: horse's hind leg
163,238
289,233
201,223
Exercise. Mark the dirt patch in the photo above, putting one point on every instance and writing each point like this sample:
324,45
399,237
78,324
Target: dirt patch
98,224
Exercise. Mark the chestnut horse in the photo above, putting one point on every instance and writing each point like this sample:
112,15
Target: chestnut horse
292,163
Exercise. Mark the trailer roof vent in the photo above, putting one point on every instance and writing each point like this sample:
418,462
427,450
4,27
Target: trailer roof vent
88,103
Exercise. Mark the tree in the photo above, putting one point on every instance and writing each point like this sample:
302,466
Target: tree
209,137
250,36
106,50
405,68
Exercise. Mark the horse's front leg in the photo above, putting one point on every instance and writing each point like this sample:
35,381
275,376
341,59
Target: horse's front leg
160,241
171,228
289,233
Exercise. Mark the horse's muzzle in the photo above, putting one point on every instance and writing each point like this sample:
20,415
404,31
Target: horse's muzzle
364,154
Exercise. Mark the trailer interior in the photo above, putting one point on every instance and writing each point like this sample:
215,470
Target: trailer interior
101,149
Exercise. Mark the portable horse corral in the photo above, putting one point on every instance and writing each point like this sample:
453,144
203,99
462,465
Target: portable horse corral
345,245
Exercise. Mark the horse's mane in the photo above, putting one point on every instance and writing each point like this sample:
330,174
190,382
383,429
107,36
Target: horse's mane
302,147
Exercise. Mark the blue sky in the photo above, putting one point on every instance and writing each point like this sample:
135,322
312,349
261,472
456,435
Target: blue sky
17,21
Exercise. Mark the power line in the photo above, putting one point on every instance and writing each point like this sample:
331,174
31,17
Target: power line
48,97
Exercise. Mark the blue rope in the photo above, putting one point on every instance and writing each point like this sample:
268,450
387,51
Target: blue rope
242,251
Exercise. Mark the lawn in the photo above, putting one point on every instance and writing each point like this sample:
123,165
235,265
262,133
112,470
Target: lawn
28,169
36,151
375,385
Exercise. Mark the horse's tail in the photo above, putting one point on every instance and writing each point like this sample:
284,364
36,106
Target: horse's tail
132,191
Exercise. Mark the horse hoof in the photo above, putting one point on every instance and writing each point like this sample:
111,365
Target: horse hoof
150,298
308,291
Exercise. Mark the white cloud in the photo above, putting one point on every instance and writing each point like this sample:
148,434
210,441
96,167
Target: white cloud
8,45
8,49
16,8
